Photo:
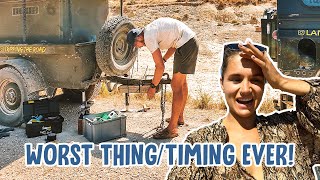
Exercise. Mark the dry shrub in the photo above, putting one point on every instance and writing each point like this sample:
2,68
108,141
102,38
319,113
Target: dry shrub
140,96
131,2
157,97
219,104
267,106
130,14
226,15
104,93
207,11
235,22
205,101
253,20
114,8
185,17
204,50
176,16
168,96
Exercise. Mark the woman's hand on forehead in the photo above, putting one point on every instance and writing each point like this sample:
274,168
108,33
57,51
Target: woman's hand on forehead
262,59
250,51
271,73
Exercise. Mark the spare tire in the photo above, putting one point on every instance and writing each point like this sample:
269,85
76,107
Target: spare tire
114,55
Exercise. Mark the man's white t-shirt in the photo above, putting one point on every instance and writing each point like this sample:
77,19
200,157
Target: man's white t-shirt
165,33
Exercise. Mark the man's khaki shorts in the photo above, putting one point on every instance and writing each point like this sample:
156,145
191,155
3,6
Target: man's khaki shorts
185,57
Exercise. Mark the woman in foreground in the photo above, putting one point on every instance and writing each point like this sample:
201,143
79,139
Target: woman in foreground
243,74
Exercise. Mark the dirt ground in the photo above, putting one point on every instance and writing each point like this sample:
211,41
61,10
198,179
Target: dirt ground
213,25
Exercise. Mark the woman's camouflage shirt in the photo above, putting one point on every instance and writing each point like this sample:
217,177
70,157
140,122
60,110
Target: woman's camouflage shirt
301,127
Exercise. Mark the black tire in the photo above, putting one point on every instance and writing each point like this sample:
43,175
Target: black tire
114,55
75,95
13,92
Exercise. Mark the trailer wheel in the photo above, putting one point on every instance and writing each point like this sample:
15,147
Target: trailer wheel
75,95
114,55
13,91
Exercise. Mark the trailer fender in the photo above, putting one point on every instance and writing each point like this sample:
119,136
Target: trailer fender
29,71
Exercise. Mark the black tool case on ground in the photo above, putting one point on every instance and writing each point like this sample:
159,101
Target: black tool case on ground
51,119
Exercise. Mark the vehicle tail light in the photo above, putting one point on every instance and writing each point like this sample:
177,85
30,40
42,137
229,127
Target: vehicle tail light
275,34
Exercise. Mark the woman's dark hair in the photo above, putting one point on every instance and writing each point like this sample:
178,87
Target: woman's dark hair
227,53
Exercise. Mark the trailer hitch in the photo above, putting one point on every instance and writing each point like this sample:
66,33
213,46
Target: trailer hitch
129,85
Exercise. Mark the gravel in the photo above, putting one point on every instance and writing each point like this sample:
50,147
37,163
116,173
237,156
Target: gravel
139,127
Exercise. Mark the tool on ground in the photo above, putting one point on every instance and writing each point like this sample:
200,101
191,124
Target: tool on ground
144,109
51,137
4,134
84,110
7,129
46,130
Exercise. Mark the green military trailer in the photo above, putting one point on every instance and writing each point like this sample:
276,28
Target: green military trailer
50,44
292,32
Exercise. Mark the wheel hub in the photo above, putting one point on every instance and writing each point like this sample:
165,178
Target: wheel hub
10,97
120,47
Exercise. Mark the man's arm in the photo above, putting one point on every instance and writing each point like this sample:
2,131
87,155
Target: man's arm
158,72
159,64
169,53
